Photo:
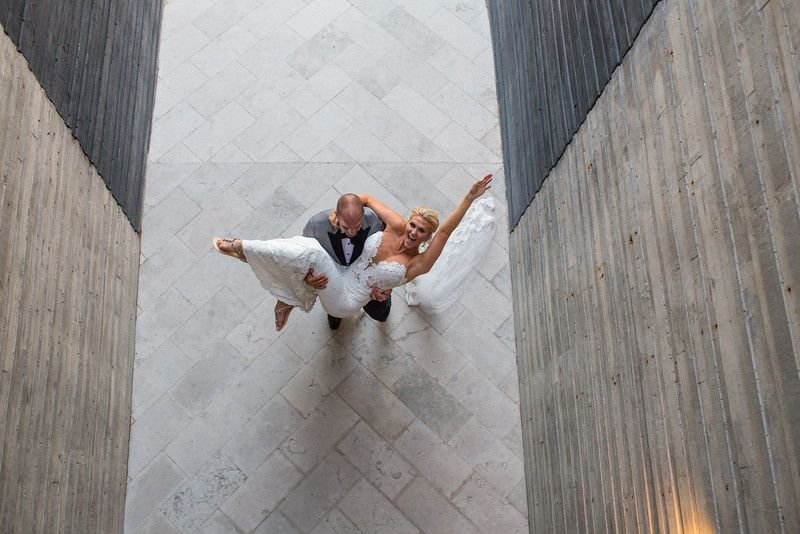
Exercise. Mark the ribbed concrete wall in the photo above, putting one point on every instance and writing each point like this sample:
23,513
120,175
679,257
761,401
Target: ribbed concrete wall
656,292
553,59
96,60
68,286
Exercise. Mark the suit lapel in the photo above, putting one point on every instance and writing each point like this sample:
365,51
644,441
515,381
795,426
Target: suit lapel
336,244
358,243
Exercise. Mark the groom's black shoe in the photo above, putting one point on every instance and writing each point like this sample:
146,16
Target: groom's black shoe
334,322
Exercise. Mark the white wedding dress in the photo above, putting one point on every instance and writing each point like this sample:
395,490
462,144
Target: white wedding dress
281,264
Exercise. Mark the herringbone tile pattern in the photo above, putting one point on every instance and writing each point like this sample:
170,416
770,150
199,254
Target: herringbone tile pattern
268,110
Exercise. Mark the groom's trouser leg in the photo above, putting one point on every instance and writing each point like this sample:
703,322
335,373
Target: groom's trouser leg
334,322
379,310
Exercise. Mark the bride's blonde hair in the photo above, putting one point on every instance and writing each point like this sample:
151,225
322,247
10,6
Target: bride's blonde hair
428,214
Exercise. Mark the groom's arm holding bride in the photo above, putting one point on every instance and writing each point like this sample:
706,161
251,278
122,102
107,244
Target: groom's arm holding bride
374,221
326,228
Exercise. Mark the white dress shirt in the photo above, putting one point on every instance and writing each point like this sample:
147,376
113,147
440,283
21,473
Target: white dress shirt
347,248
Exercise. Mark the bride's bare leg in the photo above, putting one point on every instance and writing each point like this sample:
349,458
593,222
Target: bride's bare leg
282,311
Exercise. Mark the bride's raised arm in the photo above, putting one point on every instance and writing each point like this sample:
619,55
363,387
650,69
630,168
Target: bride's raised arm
391,218
423,263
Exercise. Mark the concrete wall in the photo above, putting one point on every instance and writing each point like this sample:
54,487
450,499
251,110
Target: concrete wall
96,60
552,60
656,282
68,285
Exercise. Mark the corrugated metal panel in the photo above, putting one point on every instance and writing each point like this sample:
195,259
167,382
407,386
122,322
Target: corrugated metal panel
96,59
553,58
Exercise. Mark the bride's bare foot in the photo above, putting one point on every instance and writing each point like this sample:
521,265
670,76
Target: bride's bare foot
282,311
229,247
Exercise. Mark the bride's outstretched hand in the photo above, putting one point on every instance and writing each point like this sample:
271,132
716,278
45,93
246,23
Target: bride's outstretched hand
479,187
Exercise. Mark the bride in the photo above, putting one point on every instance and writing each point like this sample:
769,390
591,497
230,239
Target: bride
390,259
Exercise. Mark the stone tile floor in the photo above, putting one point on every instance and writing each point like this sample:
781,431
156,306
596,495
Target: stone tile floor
266,111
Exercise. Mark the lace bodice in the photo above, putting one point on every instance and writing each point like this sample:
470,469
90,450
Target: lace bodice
366,273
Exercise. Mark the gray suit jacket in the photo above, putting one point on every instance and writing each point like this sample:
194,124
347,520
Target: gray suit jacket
330,238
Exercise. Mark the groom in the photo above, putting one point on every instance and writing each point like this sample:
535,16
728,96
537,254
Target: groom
342,234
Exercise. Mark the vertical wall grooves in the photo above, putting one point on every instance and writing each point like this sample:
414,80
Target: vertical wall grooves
684,219
553,39
758,374
656,328
68,277
96,60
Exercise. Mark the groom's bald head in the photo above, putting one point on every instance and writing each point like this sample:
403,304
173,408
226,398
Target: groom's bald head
350,210
350,202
